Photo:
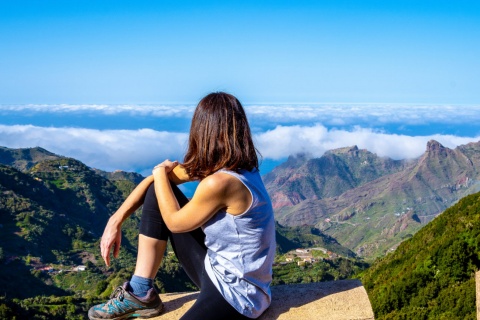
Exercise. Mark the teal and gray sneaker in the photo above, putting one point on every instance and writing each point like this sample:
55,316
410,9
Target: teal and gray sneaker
125,305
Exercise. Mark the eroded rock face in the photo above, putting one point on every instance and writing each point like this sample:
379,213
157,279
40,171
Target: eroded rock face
302,178
365,201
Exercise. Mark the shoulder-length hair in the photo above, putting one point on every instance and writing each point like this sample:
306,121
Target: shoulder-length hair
220,138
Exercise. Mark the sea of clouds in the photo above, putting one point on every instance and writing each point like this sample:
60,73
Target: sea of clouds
279,131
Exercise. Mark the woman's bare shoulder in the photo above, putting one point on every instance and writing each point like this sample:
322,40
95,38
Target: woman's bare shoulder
218,187
219,180
234,194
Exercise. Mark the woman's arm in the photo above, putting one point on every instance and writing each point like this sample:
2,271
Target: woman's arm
213,193
178,175
112,235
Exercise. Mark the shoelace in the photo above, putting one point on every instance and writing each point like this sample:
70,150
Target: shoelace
117,294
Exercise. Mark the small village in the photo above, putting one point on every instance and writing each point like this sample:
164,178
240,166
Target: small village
51,269
303,256
37,265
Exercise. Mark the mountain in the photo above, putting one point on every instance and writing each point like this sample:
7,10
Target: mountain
431,275
25,158
368,203
53,210
337,171
52,213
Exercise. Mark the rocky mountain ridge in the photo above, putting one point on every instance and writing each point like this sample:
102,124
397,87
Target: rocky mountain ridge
368,203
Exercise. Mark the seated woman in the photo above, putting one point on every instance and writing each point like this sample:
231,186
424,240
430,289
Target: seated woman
224,237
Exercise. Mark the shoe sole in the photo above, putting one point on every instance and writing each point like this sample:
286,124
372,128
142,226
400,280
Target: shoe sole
137,314
147,313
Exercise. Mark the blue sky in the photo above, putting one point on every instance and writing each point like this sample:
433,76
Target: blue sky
263,51
114,83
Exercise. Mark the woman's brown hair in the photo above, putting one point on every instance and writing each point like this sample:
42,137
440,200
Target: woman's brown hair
220,137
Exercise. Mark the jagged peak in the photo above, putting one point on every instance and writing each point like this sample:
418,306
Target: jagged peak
434,145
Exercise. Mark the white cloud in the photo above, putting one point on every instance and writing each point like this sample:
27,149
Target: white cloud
328,114
140,150
131,150
373,114
315,140
105,109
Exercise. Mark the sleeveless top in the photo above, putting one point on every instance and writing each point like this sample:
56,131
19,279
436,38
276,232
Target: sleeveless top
241,249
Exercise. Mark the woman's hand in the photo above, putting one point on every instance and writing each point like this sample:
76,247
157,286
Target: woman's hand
167,165
112,237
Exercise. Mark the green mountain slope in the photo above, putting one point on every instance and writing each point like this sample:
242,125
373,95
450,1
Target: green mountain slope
431,276
52,213
291,238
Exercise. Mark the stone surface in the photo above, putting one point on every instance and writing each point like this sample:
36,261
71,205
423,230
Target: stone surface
333,300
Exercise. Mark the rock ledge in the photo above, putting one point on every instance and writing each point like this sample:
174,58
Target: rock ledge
333,300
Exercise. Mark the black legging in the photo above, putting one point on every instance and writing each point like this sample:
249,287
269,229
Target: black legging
189,247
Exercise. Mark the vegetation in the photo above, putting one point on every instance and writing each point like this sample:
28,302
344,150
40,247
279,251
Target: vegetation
53,211
322,270
339,263
290,238
52,214
431,275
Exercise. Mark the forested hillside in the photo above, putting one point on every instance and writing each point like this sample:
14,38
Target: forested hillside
52,213
431,276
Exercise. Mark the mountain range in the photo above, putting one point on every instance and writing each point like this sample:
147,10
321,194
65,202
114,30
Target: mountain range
52,213
369,203
53,210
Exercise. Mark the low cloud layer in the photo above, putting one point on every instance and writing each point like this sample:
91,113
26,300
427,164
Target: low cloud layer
315,140
130,150
373,114
104,109
140,150
328,114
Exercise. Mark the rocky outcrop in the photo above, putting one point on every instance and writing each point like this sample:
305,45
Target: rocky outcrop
333,300
377,202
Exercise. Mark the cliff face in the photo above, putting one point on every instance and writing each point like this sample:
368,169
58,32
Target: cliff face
331,175
371,204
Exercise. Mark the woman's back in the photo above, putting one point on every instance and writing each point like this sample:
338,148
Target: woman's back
241,249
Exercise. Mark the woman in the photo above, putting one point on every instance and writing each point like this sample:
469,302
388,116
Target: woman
224,237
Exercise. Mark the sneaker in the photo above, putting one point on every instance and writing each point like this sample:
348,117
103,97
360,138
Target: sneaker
124,305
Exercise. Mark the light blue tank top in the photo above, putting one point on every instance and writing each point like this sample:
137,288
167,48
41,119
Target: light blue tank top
241,249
